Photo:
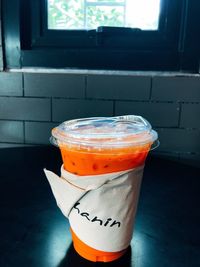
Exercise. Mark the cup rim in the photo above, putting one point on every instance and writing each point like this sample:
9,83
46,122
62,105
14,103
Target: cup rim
105,132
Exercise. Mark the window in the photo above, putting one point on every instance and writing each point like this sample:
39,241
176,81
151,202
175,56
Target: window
91,14
102,34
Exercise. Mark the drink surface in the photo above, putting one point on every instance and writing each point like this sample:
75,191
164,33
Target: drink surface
94,146
82,161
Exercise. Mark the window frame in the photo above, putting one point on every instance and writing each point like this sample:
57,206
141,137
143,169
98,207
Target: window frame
168,50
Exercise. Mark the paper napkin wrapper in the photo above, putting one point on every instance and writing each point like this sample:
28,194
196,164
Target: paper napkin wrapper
100,208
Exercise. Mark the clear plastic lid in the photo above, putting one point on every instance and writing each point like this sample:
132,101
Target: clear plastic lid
105,132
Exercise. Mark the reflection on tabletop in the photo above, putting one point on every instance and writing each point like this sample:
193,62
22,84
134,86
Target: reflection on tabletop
73,259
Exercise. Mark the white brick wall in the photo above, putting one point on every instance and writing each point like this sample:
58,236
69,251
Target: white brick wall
31,104
1,52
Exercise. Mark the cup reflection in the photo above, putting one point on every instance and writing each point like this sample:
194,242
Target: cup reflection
73,259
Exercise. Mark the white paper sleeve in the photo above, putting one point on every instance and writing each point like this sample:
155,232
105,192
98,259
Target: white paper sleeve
100,208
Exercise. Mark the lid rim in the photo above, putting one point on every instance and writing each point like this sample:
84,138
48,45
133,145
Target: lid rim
70,132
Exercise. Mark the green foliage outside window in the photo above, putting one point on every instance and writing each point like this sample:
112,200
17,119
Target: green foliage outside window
75,14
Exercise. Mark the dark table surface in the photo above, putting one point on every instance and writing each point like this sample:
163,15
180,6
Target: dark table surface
33,232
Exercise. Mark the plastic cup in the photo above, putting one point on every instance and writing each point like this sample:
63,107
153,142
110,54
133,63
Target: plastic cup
93,146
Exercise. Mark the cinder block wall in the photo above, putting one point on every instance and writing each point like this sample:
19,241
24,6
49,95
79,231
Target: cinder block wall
31,104
1,54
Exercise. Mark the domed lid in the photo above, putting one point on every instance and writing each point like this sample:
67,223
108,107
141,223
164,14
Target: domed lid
120,131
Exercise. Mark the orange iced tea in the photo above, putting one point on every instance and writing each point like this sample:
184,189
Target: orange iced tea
94,146
81,161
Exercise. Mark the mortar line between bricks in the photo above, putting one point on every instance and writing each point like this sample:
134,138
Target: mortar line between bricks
132,100
23,89
21,120
179,115
150,92
177,128
114,107
166,127
24,132
23,97
85,87
26,144
189,102
58,121
51,109
92,99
